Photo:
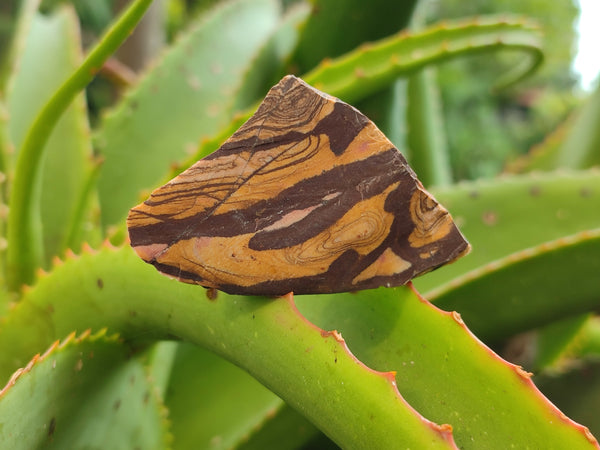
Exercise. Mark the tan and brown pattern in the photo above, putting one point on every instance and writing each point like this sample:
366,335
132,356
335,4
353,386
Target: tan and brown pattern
307,196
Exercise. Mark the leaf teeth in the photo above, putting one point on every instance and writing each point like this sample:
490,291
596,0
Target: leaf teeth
70,254
56,261
87,248
525,376
444,430
72,338
523,373
106,244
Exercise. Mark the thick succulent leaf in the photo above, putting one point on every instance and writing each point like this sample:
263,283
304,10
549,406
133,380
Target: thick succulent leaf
573,144
444,372
266,69
426,137
542,156
371,68
440,367
86,392
24,237
265,336
530,288
509,214
360,21
160,362
27,10
590,339
559,342
286,429
577,393
581,147
187,95
203,413
52,43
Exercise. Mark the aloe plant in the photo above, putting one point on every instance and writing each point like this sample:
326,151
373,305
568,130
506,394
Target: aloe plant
98,349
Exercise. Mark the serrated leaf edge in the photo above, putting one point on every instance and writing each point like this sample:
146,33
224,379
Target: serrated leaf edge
71,339
523,375
522,255
444,430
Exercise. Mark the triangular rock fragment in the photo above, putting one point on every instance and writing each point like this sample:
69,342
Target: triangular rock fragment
307,196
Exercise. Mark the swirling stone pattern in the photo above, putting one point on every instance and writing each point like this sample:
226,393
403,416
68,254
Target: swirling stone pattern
307,196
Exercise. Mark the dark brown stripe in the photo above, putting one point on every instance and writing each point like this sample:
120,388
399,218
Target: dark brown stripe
356,181
341,126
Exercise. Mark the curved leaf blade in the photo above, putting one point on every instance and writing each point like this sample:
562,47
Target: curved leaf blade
530,288
188,95
267,337
509,214
85,392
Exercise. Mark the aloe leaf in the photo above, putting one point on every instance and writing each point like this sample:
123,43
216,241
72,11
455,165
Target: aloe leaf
589,346
53,43
187,95
203,414
85,392
266,69
24,252
542,156
444,372
267,337
373,66
25,16
160,364
509,214
27,10
577,392
426,137
286,429
360,21
389,329
528,289
558,343
579,150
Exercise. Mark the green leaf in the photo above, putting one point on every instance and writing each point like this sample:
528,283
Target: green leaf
559,342
440,368
53,43
509,214
188,95
426,137
543,155
87,392
268,338
322,36
203,413
286,429
24,252
577,393
530,288
444,372
374,66
266,69
580,148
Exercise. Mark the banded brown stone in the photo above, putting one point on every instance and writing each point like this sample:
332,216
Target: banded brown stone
307,196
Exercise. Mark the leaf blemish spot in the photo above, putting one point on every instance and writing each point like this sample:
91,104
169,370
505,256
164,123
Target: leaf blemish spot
489,218
535,191
51,426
